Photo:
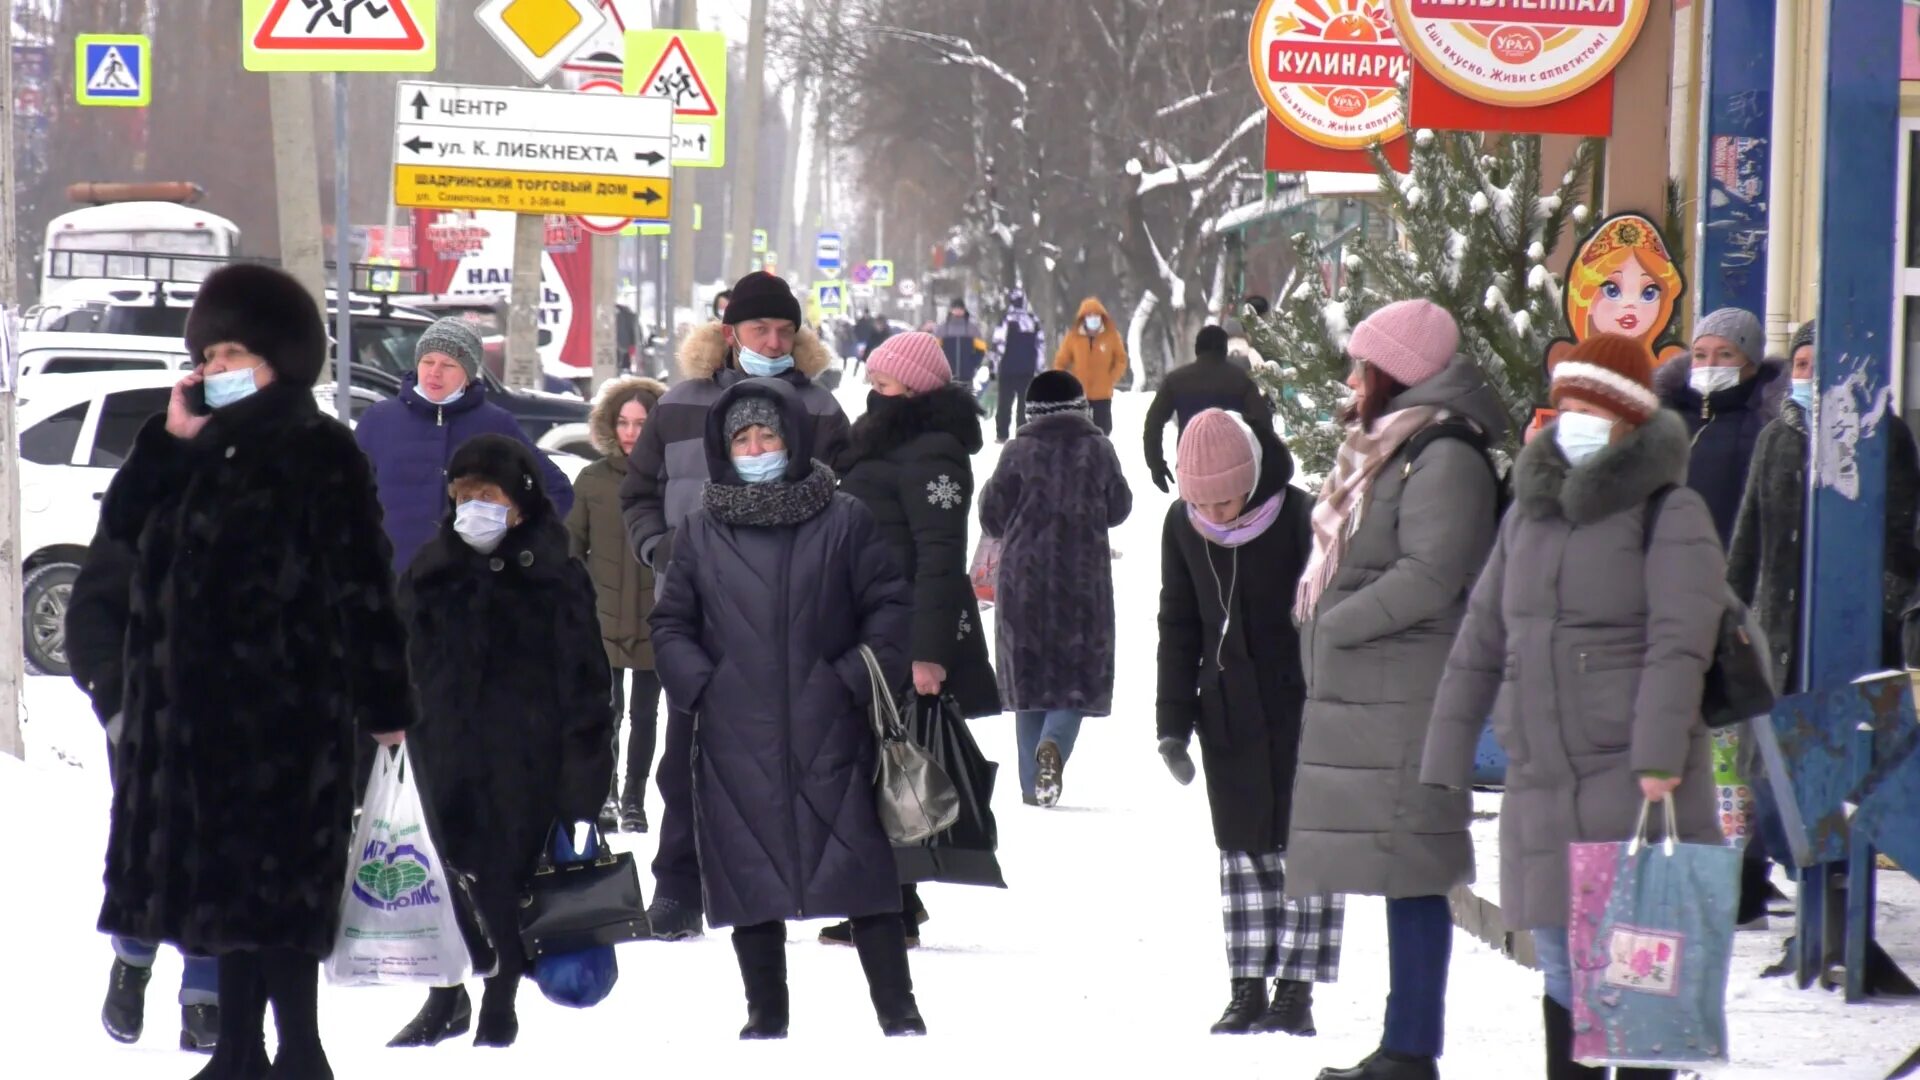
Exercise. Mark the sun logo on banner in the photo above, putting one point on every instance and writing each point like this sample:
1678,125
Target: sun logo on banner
1329,69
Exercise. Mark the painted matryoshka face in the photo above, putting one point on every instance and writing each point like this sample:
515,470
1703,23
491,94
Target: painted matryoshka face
1628,301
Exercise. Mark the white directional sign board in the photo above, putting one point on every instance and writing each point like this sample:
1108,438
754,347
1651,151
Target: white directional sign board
532,151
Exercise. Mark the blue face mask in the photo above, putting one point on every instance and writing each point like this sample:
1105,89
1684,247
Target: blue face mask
1802,393
1581,436
762,366
480,524
761,468
448,400
228,387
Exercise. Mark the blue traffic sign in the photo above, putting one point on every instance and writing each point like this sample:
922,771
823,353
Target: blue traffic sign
113,69
828,254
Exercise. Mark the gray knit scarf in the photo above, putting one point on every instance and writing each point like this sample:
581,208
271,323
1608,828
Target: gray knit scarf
774,504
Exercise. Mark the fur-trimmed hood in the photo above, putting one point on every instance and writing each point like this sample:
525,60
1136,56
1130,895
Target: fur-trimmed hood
706,351
950,410
613,397
1618,478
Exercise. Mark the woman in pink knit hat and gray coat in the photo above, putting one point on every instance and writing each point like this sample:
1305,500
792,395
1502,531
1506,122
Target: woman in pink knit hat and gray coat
1401,531
1231,555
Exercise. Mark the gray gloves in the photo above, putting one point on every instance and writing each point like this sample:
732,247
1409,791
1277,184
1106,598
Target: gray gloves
1179,763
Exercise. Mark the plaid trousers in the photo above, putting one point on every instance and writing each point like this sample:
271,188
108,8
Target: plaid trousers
1270,935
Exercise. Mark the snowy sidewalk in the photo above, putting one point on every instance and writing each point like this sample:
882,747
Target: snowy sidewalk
1104,958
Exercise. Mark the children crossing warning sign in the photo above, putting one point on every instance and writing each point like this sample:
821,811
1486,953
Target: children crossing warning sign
338,35
112,69
689,69
674,77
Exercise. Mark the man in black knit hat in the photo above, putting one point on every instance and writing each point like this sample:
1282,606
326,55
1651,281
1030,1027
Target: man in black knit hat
760,336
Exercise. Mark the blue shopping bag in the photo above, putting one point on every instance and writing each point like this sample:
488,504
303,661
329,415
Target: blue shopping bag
583,978
1650,932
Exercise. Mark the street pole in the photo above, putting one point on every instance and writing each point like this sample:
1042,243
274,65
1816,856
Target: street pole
746,159
12,627
296,178
524,368
680,249
606,310
343,256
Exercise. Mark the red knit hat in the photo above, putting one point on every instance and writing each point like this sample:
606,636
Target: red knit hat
916,359
1611,371
1219,458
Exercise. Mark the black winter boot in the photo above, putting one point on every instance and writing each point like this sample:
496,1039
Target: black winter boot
1560,1063
124,1014
762,951
448,1013
633,807
293,986
1291,1010
1384,1064
609,816
882,943
674,921
200,1028
1244,1009
499,1024
242,1050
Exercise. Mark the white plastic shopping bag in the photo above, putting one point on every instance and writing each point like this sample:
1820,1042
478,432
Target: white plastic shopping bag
397,923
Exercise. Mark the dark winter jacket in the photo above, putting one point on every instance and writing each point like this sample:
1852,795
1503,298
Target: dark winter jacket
410,440
1589,648
668,467
1725,429
1764,565
516,728
1056,492
97,620
758,631
1241,691
1210,382
261,643
599,535
1362,821
957,338
909,463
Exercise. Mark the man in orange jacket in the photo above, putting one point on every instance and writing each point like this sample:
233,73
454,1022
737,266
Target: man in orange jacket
1093,353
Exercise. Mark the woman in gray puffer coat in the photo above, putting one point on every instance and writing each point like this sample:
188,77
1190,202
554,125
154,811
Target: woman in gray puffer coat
1588,638
1401,529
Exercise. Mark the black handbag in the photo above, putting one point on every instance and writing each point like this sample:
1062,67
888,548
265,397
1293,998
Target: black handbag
1739,682
964,853
574,905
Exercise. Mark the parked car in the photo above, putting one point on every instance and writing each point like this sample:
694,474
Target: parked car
60,353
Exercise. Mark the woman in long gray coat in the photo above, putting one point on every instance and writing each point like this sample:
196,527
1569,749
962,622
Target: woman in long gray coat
1057,491
1588,638
1401,529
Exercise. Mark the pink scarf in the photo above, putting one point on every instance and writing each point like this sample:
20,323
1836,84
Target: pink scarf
1243,529
1337,514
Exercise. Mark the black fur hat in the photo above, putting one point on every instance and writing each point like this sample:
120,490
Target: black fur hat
267,311
508,463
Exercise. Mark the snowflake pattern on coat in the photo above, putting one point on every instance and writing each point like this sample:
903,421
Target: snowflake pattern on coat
944,493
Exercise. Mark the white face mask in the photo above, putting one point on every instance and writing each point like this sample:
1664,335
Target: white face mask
1581,436
1712,380
1092,323
481,524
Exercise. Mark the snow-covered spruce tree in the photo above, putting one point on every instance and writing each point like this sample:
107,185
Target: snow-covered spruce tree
1474,227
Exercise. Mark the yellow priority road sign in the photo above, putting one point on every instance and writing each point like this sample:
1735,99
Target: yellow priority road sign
434,187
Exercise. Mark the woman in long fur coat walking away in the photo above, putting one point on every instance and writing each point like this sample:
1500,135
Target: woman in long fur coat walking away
1057,492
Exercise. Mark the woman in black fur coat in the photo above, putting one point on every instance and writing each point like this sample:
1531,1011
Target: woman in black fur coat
910,463
259,629
516,729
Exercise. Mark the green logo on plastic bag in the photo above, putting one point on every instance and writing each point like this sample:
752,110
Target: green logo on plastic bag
389,880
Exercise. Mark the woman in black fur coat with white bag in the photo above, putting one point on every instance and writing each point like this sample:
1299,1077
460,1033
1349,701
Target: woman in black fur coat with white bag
516,729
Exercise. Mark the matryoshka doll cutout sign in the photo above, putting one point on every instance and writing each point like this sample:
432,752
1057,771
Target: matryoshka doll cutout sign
1622,281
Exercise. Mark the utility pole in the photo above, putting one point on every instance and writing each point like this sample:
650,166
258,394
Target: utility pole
12,626
681,238
746,161
606,310
296,177
524,369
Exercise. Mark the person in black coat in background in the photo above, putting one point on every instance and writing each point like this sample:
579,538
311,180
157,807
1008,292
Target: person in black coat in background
260,631
910,464
1210,382
516,728
1231,556
775,584
1727,392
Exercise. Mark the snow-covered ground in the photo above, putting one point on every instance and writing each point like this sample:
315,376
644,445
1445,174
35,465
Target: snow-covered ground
1103,959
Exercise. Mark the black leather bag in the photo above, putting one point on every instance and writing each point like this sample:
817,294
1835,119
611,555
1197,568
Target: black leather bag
1739,682
574,905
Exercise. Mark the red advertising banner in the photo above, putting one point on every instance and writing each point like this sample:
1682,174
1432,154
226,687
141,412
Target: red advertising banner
1288,152
471,254
1437,105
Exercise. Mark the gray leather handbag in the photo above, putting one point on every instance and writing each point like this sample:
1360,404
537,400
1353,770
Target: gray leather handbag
915,796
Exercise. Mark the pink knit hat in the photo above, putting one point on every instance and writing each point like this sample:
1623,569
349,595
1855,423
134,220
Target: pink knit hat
1219,458
916,359
1413,341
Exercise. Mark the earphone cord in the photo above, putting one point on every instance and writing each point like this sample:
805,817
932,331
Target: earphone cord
1226,604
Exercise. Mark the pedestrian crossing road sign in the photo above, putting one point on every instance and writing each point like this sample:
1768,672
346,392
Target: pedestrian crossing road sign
338,35
113,69
831,296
